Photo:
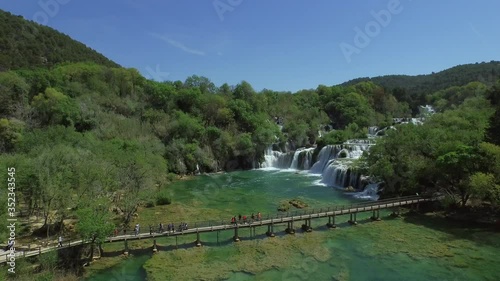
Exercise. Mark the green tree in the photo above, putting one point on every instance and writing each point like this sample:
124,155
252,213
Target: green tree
53,108
94,222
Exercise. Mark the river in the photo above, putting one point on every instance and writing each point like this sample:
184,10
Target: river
414,247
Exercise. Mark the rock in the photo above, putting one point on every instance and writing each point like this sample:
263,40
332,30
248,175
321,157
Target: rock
297,203
284,206
349,189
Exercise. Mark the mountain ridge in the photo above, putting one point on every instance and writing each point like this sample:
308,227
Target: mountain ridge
27,44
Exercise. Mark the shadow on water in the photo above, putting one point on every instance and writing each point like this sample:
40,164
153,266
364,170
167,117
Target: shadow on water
475,232
130,269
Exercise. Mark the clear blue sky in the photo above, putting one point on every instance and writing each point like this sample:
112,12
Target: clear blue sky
280,44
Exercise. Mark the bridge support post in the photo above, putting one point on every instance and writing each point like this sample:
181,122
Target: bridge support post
353,219
270,230
290,229
307,225
236,238
198,241
396,213
154,246
376,215
252,231
331,222
125,253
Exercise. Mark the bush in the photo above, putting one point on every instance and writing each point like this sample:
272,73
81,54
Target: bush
449,202
150,203
163,199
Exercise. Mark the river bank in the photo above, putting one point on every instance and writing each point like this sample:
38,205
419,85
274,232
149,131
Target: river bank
414,247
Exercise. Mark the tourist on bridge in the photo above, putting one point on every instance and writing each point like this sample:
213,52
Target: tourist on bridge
259,216
150,230
10,244
244,219
60,240
160,228
233,220
253,217
239,218
115,232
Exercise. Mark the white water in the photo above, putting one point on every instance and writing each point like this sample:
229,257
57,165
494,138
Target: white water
334,165
299,160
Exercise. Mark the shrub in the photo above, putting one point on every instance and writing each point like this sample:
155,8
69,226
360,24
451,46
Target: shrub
163,199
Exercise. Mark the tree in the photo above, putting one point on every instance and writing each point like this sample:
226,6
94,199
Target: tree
55,171
10,134
203,83
350,108
457,167
244,91
13,93
94,222
55,108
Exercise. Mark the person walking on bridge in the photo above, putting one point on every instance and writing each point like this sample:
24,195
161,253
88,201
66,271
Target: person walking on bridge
59,244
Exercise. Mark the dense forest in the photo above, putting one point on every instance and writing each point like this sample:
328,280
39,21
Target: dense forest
26,44
84,133
415,89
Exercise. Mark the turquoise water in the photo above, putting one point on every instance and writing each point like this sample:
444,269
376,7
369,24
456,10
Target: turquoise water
415,247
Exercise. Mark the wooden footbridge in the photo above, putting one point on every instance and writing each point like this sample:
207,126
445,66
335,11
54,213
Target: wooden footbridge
291,219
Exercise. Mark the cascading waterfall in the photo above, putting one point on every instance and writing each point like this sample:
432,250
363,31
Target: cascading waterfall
334,164
299,160
335,161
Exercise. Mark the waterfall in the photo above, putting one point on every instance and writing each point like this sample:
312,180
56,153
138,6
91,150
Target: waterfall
335,161
295,159
370,192
299,160
277,159
334,164
372,131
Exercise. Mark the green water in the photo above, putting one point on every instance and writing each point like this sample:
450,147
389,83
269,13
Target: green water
415,247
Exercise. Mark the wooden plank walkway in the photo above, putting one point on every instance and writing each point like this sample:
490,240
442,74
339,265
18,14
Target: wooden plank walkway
203,227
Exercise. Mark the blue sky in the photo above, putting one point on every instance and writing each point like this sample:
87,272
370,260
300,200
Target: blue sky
281,44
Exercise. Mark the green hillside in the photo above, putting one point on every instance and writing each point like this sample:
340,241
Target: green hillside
416,88
26,44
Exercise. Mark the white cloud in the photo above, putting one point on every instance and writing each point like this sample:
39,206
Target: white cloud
473,28
178,44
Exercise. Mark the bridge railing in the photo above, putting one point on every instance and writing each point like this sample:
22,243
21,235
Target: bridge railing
193,225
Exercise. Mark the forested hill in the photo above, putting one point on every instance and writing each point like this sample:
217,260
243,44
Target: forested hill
420,86
26,44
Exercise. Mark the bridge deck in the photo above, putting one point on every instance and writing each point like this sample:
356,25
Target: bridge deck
278,219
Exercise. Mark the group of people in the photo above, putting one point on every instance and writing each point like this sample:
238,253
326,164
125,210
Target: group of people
161,228
244,219
184,226
171,227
